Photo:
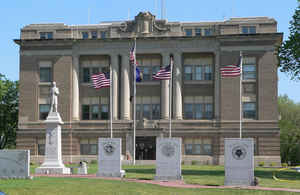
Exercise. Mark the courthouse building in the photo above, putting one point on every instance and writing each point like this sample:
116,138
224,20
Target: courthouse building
205,106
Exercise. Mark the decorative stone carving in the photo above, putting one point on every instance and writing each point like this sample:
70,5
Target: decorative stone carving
144,24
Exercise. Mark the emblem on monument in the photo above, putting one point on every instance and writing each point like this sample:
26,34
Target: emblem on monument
109,148
168,150
239,152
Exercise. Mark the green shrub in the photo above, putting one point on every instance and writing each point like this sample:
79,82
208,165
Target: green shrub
261,163
272,164
194,162
94,161
284,164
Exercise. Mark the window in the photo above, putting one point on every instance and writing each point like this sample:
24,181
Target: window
45,74
86,75
198,107
46,35
95,108
44,111
103,35
249,68
148,66
197,146
148,107
88,68
88,147
94,35
249,110
188,32
41,146
146,73
249,29
198,31
188,73
85,35
208,32
208,72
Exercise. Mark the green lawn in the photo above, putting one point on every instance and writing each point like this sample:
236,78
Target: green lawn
204,175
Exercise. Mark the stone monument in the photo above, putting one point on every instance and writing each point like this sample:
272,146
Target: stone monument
168,159
239,162
53,163
109,158
15,164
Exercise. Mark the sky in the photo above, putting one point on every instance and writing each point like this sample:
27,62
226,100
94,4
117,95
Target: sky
16,14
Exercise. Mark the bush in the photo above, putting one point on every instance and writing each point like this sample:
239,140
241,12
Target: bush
32,163
94,161
272,164
194,162
284,164
261,163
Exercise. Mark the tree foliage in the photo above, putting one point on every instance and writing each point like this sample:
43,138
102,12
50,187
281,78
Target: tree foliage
9,98
289,52
289,130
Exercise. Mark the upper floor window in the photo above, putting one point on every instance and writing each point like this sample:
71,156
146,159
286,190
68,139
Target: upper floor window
95,108
94,34
148,66
249,68
188,32
85,35
103,34
148,107
208,32
90,67
198,31
197,72
198,107
197,146
44,111
249,110
46,35
249,29
45,71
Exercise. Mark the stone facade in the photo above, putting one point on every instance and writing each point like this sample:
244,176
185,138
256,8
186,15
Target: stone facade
70,52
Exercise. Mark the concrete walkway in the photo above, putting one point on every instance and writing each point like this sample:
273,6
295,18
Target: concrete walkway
177,184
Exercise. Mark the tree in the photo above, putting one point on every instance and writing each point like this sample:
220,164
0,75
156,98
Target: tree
289,51
9,99
289,130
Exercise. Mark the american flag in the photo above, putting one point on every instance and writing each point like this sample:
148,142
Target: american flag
101,80
164,73
132,55
231,70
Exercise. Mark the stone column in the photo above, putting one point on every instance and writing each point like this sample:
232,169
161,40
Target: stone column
177,86
115,82
125,89
217,86
75,97
165,92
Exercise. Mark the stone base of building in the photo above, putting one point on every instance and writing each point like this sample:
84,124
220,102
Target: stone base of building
52,170
114,174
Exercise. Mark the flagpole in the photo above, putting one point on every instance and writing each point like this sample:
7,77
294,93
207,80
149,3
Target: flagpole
110,101
241,87
170,97
134,100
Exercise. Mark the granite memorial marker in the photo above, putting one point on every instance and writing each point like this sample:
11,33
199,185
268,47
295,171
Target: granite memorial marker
239,162
109,158
168,159
53,163
15,164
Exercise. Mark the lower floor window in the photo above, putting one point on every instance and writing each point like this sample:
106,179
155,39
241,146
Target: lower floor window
95,108
148,108
88,147
44,111
197,146
41,147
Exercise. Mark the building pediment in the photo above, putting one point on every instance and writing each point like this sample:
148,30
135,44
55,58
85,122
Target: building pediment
145,24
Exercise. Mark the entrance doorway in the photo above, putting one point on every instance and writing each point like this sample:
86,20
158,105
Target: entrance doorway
145,148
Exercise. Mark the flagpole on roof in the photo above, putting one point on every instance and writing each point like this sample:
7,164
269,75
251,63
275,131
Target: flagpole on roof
134,99
241,87
110,102
170,96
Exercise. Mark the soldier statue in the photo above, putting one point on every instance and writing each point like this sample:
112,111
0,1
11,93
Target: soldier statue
54,94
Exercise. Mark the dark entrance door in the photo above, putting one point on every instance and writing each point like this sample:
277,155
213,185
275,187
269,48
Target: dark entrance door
145,148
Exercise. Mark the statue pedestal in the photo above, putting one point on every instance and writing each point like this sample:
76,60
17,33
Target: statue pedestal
53,158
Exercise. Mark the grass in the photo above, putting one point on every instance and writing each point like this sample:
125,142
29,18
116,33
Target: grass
203,175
